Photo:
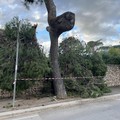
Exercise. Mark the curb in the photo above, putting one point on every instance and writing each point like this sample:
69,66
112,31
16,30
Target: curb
10,114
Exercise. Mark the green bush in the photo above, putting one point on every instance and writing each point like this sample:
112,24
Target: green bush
74,87
112,56
103,87
32,61
82,61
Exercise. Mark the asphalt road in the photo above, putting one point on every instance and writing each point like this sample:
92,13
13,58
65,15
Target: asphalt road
107,110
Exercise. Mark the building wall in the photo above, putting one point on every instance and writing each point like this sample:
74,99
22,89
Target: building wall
112,77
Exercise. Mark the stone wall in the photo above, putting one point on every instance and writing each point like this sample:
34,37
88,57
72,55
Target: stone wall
112,77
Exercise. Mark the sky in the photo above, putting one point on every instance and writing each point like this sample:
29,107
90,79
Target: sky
95,19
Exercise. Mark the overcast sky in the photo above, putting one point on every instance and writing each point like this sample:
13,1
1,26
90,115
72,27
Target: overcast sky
95,19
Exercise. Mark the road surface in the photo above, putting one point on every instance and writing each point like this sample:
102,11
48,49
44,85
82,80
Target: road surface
104,110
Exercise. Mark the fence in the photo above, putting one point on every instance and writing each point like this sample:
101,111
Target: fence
41,87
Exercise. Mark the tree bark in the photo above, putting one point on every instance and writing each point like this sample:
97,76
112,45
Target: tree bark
57,25
58,82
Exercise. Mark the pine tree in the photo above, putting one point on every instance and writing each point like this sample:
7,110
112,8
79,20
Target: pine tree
32,61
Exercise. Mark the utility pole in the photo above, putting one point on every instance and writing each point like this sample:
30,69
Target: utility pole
16,63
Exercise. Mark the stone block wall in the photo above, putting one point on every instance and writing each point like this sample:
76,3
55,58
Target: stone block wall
112,77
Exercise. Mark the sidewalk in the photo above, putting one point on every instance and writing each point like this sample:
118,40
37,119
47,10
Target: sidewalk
115,90
47,103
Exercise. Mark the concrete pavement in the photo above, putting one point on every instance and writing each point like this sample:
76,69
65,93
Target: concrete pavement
104,110
112,96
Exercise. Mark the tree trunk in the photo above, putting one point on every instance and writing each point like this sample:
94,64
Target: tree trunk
57,25
58,82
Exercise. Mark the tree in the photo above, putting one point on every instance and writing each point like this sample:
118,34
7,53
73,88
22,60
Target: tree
99,67
93,46
112,56
114,51
32,61
71,58
75,62
57,25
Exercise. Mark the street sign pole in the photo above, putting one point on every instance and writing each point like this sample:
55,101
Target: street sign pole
16,64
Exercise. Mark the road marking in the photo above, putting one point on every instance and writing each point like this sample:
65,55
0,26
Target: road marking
33,117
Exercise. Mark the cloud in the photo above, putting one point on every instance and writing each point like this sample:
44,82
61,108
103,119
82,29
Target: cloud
1,14
4,2
46,46
111,42
99,20
95,19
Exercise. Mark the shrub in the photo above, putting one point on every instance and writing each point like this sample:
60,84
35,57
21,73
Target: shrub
75,87
32,61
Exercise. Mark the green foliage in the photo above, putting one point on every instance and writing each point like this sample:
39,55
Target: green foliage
103,87
114,51
32,61
76,60
7,61
98,68
75,88
26,31
93,46
71,58
112,56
